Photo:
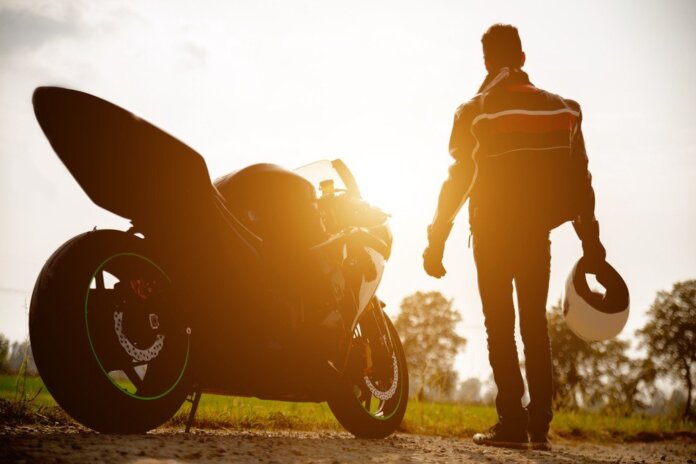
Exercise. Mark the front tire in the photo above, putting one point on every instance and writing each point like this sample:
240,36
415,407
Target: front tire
372,400
107,339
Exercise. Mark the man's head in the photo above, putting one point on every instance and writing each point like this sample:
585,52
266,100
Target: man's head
502,47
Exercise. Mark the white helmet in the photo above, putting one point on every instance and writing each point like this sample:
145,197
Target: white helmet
591,315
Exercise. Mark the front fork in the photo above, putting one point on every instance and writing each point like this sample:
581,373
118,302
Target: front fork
374,311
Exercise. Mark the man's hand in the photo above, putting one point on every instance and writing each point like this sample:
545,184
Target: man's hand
593,251
432,256
432,261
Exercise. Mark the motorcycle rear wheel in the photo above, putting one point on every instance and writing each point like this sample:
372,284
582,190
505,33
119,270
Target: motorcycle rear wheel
114,354
372,400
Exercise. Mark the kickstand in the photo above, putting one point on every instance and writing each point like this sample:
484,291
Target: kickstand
194,399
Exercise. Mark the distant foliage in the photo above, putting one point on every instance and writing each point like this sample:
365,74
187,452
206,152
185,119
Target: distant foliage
4,351
20,353
427,327
469,391
670,337
596,375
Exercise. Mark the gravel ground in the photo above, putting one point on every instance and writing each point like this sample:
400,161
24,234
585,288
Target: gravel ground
68,444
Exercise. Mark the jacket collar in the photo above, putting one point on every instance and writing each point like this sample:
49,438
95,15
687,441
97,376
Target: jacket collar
509,76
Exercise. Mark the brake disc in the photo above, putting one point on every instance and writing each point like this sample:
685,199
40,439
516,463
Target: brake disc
136,353
389,393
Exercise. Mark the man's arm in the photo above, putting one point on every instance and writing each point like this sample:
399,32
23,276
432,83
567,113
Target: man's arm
453,193
585,225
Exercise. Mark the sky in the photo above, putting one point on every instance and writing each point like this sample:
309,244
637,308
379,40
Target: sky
374,83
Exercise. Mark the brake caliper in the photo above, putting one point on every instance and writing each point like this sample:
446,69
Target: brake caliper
142,289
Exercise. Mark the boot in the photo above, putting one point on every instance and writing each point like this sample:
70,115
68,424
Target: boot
505,436
539,441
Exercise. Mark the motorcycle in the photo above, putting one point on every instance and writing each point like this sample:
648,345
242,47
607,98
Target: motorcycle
262,283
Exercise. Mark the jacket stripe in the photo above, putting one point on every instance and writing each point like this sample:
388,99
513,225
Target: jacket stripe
533,123
523,112
558,147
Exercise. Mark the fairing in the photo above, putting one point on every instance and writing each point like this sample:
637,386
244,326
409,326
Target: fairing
123,163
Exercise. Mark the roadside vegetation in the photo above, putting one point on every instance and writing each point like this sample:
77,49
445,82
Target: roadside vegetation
428,418
601,393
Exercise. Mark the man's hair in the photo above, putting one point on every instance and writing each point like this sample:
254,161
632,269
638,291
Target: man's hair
502,45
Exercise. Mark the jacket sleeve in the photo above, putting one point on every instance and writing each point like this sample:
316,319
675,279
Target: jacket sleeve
585,193
455,189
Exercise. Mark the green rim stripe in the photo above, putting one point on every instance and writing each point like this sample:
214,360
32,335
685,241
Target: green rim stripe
396,408
400,387
94,352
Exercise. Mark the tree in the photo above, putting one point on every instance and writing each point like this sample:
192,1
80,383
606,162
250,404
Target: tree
4,351
595,374
20,353
619,384
676,403
426,324
568,352
469,391
670,336
490,391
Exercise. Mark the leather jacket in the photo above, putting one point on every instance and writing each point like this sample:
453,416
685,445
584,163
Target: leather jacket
519,156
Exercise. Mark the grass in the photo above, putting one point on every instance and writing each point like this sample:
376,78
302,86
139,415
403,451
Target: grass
423,418
216,411
10,389
24,399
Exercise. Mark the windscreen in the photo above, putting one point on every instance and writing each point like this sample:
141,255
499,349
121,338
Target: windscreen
325,170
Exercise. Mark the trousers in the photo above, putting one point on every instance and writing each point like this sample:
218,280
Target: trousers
525,259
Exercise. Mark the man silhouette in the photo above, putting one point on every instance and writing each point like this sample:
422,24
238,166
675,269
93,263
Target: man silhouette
519,156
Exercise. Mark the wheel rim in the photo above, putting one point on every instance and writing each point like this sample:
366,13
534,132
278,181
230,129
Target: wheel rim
377,378
132,328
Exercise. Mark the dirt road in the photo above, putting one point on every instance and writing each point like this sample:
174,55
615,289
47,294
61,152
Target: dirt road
67,444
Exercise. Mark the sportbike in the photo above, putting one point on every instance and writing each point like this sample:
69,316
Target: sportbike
262,283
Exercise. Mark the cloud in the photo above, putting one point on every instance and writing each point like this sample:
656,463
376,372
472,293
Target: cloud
27,28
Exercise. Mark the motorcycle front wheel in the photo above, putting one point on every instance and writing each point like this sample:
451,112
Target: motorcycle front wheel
106,335
371,400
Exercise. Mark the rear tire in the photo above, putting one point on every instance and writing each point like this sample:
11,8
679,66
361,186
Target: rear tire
70,352
354,403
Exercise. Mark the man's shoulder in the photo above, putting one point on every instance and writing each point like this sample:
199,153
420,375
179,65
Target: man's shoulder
567,102
469,109
573,104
